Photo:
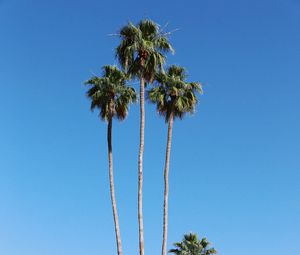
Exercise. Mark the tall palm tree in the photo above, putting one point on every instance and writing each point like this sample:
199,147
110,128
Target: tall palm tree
142,53
174,97
191,245
111,96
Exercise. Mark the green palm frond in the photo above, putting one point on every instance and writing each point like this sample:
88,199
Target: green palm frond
173,95
148,28
191,245
177,71
142,49
110,94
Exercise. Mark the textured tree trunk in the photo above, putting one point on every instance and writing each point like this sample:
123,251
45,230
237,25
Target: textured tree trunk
140,166
112,188
166,192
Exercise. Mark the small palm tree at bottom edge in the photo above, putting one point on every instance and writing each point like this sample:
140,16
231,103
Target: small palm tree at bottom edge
191,245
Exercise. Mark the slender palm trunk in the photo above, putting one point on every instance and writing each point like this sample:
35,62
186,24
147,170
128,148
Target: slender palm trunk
140,166
166,192
112,188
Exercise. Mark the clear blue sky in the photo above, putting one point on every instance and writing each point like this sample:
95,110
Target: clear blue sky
235,164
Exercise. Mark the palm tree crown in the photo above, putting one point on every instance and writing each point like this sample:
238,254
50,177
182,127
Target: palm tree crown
142,49
110,94
174,95
191,245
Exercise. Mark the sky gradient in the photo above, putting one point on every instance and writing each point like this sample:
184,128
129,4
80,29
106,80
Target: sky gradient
234,173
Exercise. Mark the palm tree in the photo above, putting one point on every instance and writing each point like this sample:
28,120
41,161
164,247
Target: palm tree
111,96
174,97
191,245
142,53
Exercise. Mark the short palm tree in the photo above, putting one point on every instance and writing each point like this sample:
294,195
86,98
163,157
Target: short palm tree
142,53
191,245
174,97
111,96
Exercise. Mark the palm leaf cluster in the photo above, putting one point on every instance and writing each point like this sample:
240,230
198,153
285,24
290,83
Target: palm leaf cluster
142,49
173,95
191,245
110,94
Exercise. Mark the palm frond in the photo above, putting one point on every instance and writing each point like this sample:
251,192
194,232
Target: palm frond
142,49
191,245
174,96
110,94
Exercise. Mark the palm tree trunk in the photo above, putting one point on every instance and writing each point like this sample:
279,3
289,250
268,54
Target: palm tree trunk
112,188
140,166
166,192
